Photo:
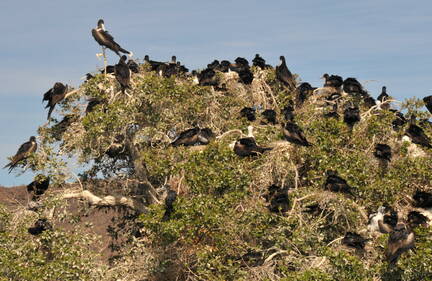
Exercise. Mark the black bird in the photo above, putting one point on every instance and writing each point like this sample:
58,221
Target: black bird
248,113
154,65
354,240
23,152
40,226
278,199
92,103
270,116
106,40
258,61
383,97
390,217
418,136
334,81
241,66
288,112
109,69
383,151
400,240
213,65
61,127
428,103
415,219
368,101
303,92
283,74
133,66
335,183
224,66
194,136
333,96
399,121
352,86
207,77
54,95
169,204
123,74
38,186
333,113
422,199
351,115
294,134
247,147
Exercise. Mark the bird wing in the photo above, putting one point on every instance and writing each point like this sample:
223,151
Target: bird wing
47,95
24,148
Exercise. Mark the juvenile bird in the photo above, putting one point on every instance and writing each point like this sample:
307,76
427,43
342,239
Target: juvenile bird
54,95
123,73
354,240
169,204
294,134
336,184
38,186
24,151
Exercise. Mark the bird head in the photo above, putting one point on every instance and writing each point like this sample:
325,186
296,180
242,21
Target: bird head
325,76
101,24
282,59
123,58
33,138
173,59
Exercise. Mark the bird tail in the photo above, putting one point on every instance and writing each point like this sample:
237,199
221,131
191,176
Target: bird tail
167,214
125,51
49,112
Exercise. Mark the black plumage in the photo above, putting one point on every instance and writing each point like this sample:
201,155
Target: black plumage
207,77
61,127
154,65
247,147
278,199
383,97
399,120
241,66
54,95
334,81
258,61
303,92
428,103
333,112
352,86
110,69
169,204
418,136
383,151
24,151
133,66
270,116
422,199
354,240
213,65
288,112
38,186
294,134
351,115
400,240
224,66
106,40
194,136
368,101
40,226
248,113
92,103
416,219
391,217
335,183
123,73
283,74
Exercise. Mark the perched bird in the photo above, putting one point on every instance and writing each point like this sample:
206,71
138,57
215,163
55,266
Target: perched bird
400,240
23,152
194,136
283,74
384,154
399,120
288,112
106,40
422,199
123,73
38,186
390,217
154,65
270,116
428,103
207,77
418,136
383,97
416,218
224,66
54,95
169,204
352,86
334,81
303,92
376,219
368,101
247,147
333,113
61,127
335,183
248,113
278,199
213,65
92,103
258,61
241,66
133,66
351,116
294,134
354,240
40,226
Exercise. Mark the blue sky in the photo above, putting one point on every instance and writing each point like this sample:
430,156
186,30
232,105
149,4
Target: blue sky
381,42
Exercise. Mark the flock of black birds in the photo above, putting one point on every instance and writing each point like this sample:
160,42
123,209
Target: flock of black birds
401,237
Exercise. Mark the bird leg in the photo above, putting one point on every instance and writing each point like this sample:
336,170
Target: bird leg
105,61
